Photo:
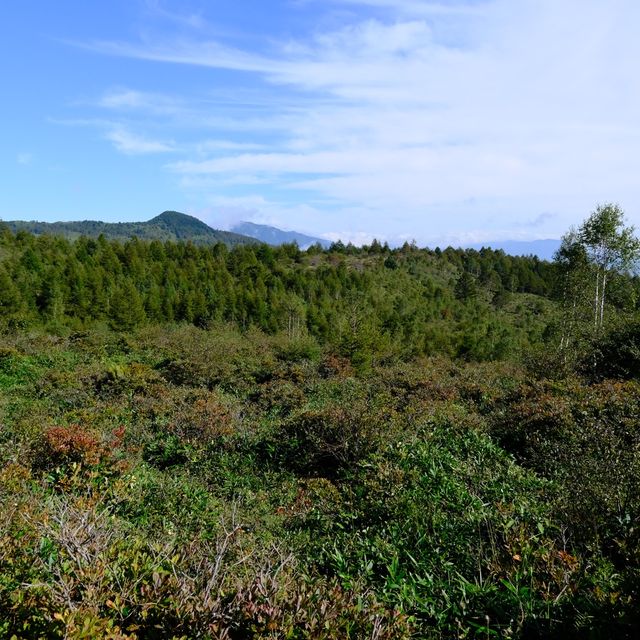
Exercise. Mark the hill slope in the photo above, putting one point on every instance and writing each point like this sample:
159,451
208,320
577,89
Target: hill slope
168,226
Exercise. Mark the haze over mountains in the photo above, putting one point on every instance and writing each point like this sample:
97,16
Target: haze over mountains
275,236
175,226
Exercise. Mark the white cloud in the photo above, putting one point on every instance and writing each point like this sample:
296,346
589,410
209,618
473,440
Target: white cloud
357,238
125,98
207,146
130,100
531,107
418,7
132,144
191,20
24,158
224,211
185,51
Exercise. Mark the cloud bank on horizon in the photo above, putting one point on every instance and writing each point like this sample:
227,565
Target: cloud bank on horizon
446,122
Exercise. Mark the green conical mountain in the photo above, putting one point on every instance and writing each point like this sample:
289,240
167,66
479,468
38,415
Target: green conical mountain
182,226
169,225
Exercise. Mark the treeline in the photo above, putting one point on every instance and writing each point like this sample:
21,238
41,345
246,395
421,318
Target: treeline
370,300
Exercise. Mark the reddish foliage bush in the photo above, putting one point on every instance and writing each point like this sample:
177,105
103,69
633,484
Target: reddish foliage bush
62,445
72,444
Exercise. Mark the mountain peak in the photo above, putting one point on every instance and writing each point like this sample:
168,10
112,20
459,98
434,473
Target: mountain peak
167,216
181,224
168,226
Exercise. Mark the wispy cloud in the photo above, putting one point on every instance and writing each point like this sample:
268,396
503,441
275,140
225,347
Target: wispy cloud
480,110
207,146
185,51
419,7
540,220
357,238
190,20
131,100
132,144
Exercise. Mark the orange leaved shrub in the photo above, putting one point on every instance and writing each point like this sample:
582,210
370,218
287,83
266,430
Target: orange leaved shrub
62,445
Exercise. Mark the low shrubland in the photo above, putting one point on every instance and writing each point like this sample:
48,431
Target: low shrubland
177,482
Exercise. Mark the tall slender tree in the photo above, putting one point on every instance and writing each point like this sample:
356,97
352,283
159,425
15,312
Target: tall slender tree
610,246
586,260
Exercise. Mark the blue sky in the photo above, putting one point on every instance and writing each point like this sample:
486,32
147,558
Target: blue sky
445,122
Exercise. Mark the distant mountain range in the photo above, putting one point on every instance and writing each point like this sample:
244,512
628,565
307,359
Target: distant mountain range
275,236
170,225
175,226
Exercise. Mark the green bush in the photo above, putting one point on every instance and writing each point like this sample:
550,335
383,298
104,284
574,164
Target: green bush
167,450
447,529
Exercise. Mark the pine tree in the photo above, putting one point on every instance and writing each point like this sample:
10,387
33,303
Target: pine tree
126,309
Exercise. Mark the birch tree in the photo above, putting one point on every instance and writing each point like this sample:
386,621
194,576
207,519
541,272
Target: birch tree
589,255
573,268
610,246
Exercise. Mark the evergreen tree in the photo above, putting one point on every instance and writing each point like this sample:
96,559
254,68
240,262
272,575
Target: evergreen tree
466,287
126,310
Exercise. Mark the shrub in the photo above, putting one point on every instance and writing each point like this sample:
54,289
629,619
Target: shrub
60,447
586,438
165,451
203,419
338,428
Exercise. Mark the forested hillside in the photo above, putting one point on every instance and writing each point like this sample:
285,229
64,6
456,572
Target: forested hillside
258,442
367,303
169,225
